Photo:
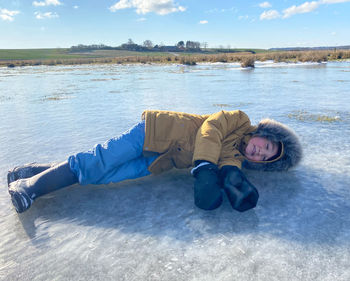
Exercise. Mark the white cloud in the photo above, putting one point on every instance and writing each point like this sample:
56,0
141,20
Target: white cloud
46,3
243,17
216,10
265,5
269,15
306,7
203,22
160,7
8,15
76,7
48,15
141,19
122,4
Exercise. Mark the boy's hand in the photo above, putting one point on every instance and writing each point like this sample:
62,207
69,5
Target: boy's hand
207,191
240,192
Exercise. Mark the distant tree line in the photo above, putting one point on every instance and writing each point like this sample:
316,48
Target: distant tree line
147,45
82,47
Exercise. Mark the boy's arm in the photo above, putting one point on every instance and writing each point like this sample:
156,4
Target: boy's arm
212,150
207,191
210,136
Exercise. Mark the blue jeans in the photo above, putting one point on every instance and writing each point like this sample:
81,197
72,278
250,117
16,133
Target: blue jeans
117,159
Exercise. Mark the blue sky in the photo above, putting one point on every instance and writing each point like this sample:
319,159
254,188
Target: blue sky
235,24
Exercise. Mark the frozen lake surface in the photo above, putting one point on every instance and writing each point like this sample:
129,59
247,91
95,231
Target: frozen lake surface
149,229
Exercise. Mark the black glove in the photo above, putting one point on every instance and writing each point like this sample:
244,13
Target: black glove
207,191
240,192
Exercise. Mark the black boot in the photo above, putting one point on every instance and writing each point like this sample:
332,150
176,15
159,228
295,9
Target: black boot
24,191
26,171
20,198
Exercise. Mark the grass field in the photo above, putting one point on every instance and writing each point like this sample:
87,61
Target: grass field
34,54
44,54
64,53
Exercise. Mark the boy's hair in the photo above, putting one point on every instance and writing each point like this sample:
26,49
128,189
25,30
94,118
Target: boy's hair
289,152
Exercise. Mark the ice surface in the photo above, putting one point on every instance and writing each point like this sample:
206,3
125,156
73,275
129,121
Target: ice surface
149,229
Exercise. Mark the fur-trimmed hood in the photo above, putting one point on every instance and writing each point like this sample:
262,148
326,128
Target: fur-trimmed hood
291,151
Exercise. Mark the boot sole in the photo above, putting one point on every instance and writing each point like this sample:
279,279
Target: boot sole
20,202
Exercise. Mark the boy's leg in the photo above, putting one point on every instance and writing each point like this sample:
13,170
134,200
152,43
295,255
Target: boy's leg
24,191
110,162
132,169
91,166
26,171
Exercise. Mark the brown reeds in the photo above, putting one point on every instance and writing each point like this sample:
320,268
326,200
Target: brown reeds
248,61
244,58
303,115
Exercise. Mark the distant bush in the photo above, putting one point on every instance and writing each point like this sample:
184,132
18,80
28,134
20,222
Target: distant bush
223,58
187,60
248,61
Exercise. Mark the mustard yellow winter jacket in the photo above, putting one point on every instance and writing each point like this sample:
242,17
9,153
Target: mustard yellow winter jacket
183,138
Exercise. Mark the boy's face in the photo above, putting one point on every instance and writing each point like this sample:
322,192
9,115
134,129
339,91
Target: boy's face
260,149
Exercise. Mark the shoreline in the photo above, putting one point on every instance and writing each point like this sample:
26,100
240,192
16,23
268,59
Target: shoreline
21,63
246,59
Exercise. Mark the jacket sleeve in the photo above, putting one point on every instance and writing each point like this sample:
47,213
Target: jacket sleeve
214,130
230,156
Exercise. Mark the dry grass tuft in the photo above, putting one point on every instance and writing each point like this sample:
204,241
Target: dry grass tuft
302,115
248,61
